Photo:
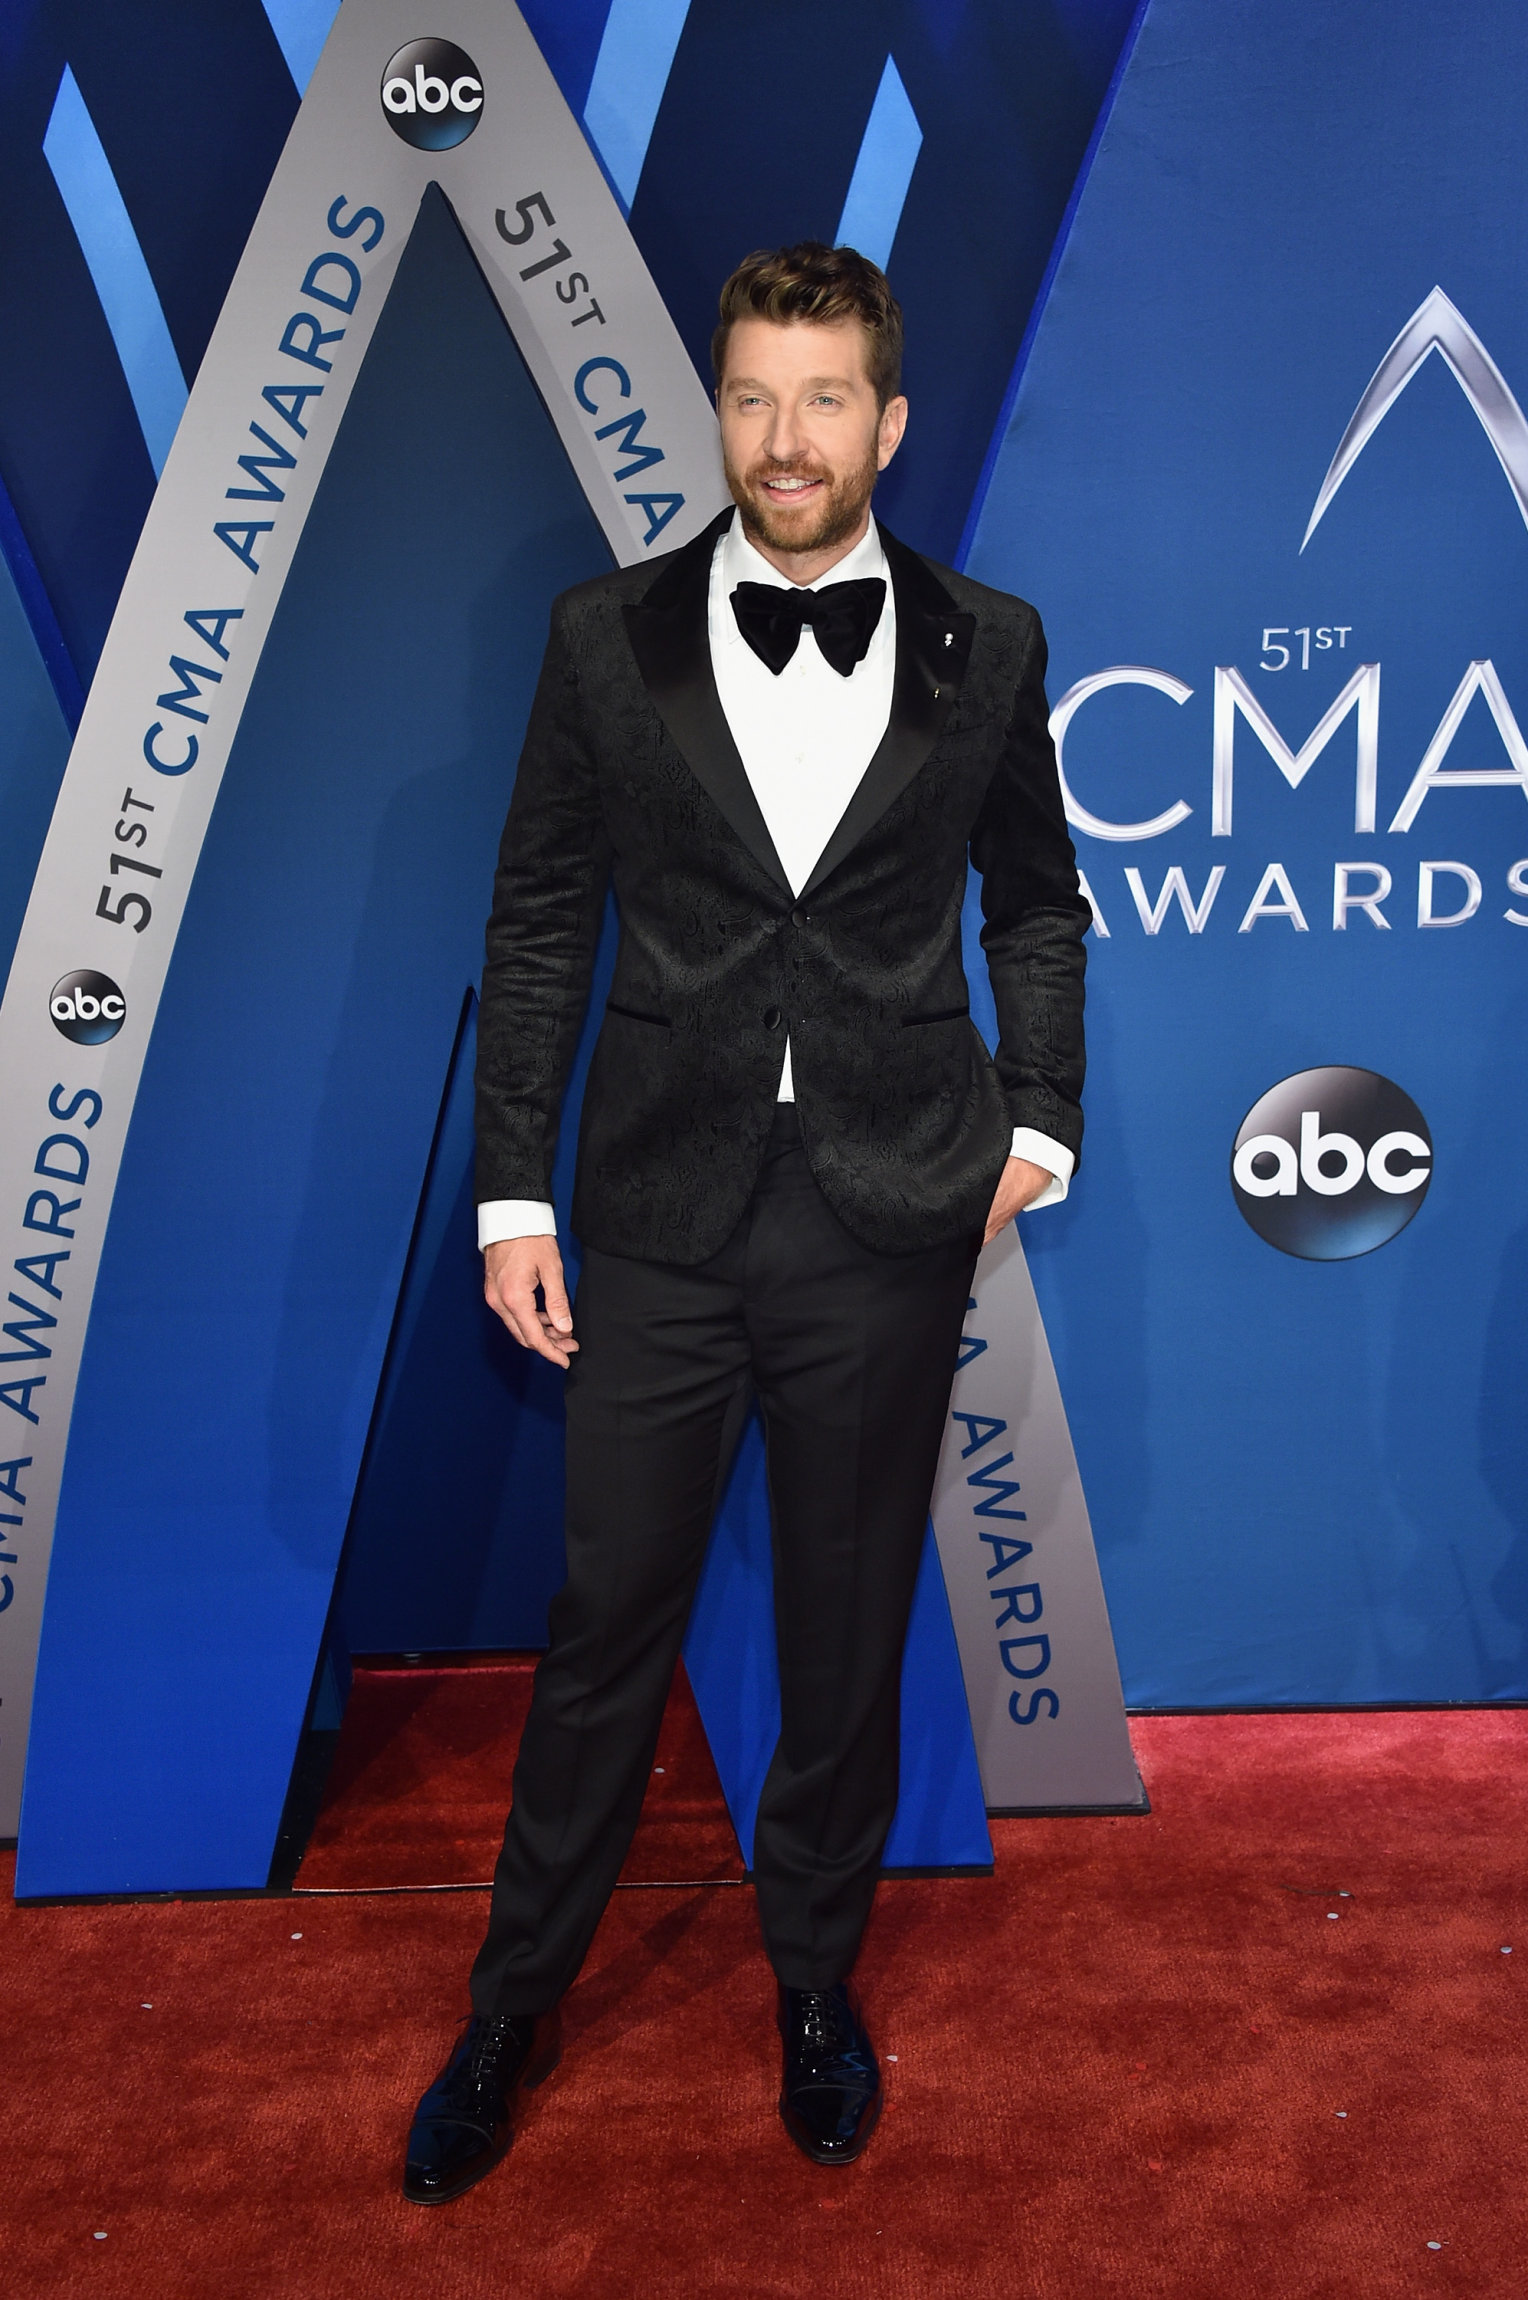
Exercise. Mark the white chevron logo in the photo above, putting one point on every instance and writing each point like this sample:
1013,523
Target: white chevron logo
1436,326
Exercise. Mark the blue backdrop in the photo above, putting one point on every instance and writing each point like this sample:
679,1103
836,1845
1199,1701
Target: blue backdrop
1149,266
1307,1478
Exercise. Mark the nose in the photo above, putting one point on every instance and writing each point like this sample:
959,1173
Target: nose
783,441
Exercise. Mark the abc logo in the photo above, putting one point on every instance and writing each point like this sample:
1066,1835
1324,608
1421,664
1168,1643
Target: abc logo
89,1008
1331,1163
432,95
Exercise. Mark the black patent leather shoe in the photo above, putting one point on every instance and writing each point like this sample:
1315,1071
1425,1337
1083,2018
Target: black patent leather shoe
831,2094
465,2122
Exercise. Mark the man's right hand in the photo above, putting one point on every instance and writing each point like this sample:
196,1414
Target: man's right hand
512,1270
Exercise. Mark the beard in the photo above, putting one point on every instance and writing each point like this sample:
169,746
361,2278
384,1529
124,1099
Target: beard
835,516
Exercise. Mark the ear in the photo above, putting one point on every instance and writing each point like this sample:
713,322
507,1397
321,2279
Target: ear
889,431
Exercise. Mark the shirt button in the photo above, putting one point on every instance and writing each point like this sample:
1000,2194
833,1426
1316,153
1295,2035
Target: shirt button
772,1018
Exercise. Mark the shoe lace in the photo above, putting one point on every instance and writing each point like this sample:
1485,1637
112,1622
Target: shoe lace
486,2040
823,2023
491,2041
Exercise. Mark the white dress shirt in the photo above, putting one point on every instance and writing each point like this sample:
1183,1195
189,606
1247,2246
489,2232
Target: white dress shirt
805,736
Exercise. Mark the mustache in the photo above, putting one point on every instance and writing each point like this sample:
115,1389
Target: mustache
769,468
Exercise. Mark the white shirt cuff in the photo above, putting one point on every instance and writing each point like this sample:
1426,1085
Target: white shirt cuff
1040,1150
502,1218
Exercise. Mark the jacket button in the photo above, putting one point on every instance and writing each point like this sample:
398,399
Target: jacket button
772,1018
799,917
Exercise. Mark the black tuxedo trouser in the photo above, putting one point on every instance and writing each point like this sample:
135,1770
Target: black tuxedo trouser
851,1354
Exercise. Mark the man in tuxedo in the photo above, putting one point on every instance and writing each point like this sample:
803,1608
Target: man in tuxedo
780,744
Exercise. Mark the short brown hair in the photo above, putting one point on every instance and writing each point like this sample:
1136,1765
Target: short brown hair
814,282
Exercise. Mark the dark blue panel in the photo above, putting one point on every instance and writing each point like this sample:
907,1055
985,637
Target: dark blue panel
728,170
1307,1479
456,1539
71,452
34,743
1006,93
192,106
279,1148
192,218
568,33
48,641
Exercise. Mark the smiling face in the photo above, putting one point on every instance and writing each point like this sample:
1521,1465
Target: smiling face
803,439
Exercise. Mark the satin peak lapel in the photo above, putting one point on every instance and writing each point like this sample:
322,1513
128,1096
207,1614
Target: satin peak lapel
933,648
669,638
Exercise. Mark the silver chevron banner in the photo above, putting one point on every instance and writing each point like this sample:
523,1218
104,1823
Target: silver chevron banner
205,581
1017,1550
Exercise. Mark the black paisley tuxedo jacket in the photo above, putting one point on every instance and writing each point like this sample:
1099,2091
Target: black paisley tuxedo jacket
630,776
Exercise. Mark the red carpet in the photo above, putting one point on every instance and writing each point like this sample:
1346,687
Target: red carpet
420,1785
1119,2066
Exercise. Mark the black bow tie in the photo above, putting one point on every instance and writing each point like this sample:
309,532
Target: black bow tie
843,616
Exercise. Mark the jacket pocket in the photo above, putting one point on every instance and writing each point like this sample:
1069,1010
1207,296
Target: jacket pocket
940,1014
635,1014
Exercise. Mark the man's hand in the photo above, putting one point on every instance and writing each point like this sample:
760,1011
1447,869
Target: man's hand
1018,1186
512,1270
